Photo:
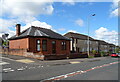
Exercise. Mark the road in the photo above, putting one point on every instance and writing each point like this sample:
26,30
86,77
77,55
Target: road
104,68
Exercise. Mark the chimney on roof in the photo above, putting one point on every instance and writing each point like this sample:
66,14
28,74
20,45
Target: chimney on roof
18,29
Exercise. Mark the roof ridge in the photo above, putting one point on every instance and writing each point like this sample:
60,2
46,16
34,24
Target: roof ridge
39,27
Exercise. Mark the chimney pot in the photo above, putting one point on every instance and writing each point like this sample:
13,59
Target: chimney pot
18,29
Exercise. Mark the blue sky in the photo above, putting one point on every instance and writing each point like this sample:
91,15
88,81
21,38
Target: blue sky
62,17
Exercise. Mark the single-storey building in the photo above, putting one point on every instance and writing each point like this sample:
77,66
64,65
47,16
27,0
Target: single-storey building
40,41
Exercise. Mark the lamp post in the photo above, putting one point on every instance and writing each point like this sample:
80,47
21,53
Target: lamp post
116,41
88,43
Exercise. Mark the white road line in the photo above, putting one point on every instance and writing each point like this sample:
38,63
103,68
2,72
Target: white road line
7,58
31,67
7,69
20,69
77,72
4,63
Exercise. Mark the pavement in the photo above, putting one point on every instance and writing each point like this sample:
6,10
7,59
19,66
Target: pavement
23,59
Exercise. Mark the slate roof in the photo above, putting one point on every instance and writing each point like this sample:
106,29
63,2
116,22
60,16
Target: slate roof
77,36
39,32
102,42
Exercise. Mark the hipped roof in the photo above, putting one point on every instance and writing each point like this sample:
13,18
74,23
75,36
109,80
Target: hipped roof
39,32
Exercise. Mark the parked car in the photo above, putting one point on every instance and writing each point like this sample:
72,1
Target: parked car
118,54
114,55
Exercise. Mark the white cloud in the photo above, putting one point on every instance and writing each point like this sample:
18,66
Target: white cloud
104,34
4,26
21,11
115,12
38,24
7,30
33,8
80,22
61,29
72,31
115,3
7,23
70,2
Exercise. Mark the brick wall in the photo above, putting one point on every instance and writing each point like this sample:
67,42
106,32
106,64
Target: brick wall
30,45
19,44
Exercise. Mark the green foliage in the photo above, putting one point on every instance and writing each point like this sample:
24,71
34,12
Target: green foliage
102,53
90,56
5,43
94,51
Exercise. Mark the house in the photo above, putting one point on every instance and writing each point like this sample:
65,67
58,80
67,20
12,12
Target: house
79,43
40,41
103,46
111,48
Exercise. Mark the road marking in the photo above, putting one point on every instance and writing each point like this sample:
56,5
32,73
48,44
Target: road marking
7,58
31,67
20,69
75,62
7,69
25,61
4,63
76,73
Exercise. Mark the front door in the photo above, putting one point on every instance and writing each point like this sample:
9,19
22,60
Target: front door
53,47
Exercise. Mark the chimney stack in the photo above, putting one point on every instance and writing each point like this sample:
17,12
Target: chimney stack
18,29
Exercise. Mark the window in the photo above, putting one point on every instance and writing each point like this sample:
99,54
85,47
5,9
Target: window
76,41
90,42
73,40
85,41
63,45
44,45
96,42
83,50
53,47
38,45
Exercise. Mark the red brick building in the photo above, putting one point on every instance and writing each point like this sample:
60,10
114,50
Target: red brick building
40,41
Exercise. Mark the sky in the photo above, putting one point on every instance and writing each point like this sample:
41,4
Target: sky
62,17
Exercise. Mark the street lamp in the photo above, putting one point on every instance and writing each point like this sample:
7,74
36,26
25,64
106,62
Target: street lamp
88,20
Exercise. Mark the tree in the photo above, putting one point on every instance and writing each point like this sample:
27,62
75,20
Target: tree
5,40
102,53
5,43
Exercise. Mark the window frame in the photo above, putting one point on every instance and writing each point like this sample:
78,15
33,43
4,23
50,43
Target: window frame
38,44
44,45
63,45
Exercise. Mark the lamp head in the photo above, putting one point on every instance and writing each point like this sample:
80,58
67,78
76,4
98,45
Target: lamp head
93,14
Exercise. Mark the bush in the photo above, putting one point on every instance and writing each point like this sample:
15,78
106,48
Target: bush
97,55
91,56
102,53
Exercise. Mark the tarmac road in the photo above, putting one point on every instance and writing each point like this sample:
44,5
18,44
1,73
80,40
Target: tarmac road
103,68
